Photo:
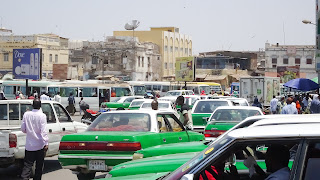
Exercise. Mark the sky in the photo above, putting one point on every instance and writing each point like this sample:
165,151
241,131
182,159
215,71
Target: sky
234,25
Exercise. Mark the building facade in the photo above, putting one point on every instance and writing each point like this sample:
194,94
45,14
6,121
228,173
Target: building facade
123,58
54,50
171,42
295,58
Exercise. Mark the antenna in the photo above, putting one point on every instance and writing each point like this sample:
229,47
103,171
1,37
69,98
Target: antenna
133,26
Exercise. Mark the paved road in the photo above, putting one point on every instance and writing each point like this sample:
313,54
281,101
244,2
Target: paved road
52,169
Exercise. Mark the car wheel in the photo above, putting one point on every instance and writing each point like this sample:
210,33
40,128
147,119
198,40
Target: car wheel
86,176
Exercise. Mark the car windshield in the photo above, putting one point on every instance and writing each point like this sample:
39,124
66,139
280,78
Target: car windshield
209,151
121,122
136,103
206,89
190,100
116,99
173,93
233,114
208,106
161,105
239,102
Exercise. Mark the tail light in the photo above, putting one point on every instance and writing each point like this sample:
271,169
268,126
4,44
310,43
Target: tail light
12,140
100,146
213,133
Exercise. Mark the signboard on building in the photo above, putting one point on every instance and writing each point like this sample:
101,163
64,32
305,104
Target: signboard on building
27,63
60,71
184,69
287,73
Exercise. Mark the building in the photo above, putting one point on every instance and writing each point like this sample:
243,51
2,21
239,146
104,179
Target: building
171,44
54,50
289,60
123,58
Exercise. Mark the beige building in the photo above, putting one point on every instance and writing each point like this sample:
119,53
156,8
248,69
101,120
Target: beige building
54,50
171,44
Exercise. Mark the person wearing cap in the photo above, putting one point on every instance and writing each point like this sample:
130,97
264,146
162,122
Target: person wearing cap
34,125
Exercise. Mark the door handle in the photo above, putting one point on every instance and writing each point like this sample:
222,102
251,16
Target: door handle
50,130
180,138
63,129
164,140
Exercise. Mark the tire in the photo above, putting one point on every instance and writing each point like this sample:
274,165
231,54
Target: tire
86,176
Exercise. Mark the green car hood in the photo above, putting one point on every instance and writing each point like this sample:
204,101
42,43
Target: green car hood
117,104
152,165
173,148
149,176
200,119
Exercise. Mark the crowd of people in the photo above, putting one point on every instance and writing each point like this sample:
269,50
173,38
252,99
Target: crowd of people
297,104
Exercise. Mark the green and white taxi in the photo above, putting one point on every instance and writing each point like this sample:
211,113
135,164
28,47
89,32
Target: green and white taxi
114,137
203,109
120,102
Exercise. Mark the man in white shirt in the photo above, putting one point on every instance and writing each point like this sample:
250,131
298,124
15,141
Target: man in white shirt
273,105
57,97
277,160
44,97
34,125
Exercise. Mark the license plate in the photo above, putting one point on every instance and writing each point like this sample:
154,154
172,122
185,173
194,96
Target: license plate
97,165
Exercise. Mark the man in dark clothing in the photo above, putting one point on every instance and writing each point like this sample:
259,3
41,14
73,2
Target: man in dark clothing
185,113
71,101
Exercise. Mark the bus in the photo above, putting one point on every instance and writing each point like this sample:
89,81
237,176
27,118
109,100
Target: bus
93,93
216,87
137,87
151,86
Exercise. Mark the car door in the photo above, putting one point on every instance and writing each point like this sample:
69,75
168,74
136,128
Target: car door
170,130
52,128
65,121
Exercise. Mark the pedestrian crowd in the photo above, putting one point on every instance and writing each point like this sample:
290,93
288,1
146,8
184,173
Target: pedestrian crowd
294,104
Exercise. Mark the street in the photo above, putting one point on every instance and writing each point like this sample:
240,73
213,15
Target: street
52,169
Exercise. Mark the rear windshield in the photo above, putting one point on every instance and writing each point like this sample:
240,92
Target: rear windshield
173,93
136,103
233,114
116,99
160,105
209,106
121,122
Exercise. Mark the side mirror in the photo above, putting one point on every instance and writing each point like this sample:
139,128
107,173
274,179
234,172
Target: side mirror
187,177
231,160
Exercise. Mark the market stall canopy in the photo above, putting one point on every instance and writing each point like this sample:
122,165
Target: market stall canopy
302,84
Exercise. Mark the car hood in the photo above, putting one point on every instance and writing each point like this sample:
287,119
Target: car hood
184,147
149,176
166,163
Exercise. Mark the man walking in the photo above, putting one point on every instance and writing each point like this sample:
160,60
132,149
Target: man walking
184,112
315,105
34,125
289,108
273,105
71,101
57,97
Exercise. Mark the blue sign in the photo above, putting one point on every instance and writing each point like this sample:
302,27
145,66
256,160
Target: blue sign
26,63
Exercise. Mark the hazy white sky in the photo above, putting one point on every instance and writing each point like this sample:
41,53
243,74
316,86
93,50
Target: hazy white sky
213,24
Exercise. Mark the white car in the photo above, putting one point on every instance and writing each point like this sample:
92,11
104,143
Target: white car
136,104
162,105
12,139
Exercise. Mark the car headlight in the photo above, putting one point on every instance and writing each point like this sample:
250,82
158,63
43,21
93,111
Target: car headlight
137,156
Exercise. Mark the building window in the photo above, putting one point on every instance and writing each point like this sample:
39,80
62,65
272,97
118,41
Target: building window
274,60
50,58
42,57
158,57
6,57
171,49
165,65
297,60
181,49
176,49
94,59
56,58
190,51
274,66
142,61
186,51
138,61
309,60
285,60
165,48
149,63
